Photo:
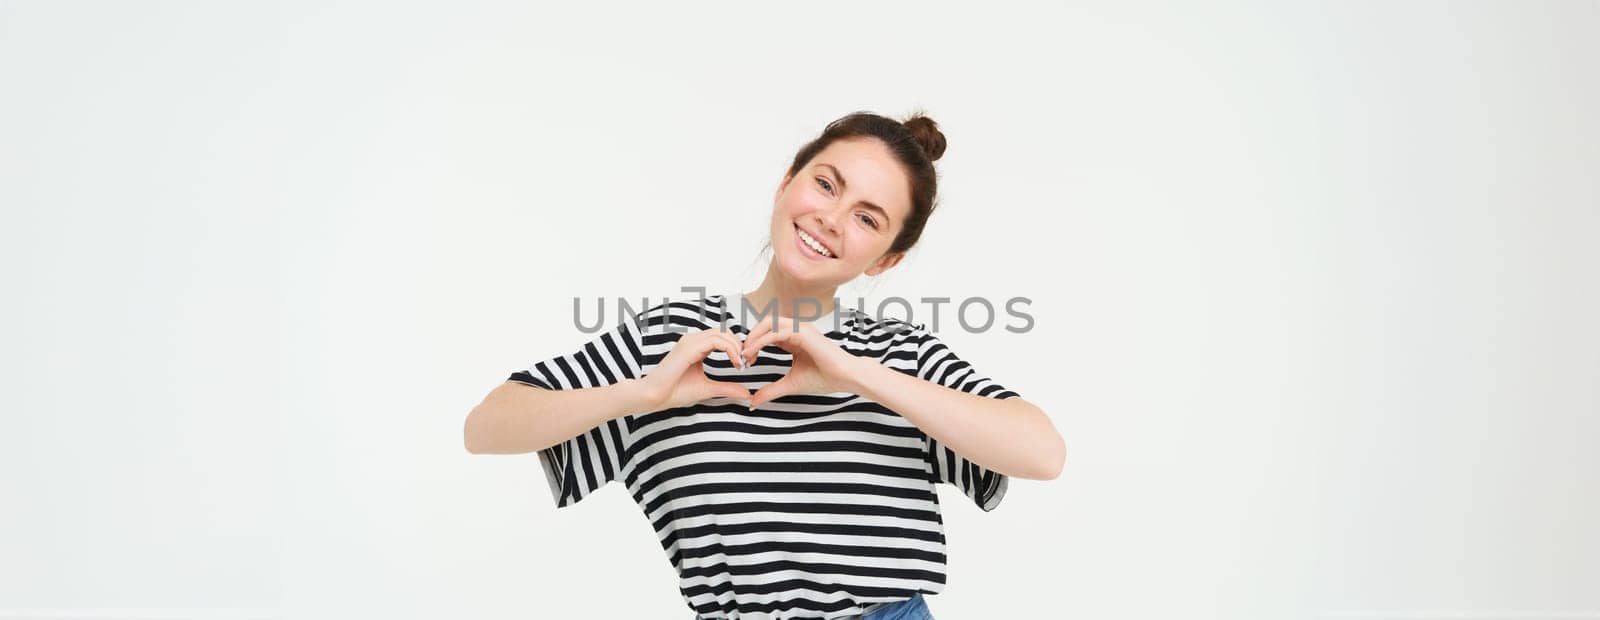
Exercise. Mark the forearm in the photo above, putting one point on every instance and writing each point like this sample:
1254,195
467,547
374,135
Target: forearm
1010,436
517,418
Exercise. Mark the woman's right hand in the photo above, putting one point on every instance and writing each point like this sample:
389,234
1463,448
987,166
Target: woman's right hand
679,380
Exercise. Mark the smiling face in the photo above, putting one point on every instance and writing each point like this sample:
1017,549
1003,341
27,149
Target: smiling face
835,218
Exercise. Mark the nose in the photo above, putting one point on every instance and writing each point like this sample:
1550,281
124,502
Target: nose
828,219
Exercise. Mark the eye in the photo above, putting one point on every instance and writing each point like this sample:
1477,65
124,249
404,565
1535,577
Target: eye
825,184
867,219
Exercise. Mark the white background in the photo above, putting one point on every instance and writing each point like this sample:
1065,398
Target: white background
1315,289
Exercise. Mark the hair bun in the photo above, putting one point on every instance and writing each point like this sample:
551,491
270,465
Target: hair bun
927,134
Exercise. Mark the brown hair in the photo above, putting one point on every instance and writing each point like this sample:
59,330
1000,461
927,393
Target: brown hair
915,142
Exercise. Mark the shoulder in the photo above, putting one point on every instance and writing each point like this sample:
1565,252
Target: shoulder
886,329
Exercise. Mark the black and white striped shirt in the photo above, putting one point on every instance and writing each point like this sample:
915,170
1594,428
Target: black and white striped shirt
810,506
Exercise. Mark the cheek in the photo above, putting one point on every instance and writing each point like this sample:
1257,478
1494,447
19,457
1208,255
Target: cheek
865,246
801,200
795,206
784,208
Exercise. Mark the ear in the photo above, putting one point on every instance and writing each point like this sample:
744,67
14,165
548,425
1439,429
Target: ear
885,263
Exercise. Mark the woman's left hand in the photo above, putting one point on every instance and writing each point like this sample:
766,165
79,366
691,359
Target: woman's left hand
819,367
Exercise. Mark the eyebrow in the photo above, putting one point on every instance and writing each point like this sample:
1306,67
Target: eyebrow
845,185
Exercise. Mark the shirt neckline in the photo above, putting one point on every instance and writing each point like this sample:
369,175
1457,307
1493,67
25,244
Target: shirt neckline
733,301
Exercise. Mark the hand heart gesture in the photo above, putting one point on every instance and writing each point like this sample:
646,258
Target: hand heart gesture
819,366
679,380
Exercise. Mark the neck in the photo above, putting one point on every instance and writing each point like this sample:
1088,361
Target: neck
778,287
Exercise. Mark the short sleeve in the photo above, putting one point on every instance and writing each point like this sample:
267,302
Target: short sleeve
581,464
937,363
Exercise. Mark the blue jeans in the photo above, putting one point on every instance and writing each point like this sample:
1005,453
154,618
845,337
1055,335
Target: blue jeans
914,608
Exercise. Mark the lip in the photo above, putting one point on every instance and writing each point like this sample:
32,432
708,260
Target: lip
806,249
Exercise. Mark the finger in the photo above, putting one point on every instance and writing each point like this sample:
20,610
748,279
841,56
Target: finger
729,346
753,349
756,332
678,357
699,344
703,389
731,390
736,350
689,352
772,339
761,327
781,387
719,341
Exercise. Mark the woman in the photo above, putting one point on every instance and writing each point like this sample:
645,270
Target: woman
812,495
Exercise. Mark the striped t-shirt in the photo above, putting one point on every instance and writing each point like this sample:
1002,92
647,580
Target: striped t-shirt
810,506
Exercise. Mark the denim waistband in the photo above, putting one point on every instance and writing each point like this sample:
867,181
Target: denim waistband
866,609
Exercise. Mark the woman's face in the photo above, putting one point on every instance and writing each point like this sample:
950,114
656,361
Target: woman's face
851,199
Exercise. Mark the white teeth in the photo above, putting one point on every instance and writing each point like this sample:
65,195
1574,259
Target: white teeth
812,243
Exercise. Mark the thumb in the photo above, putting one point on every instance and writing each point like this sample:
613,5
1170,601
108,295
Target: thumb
781,387
732,390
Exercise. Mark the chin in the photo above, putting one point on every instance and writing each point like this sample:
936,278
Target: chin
796,267
801,270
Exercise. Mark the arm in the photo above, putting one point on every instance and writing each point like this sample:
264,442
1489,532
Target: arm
516,418
1010,436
